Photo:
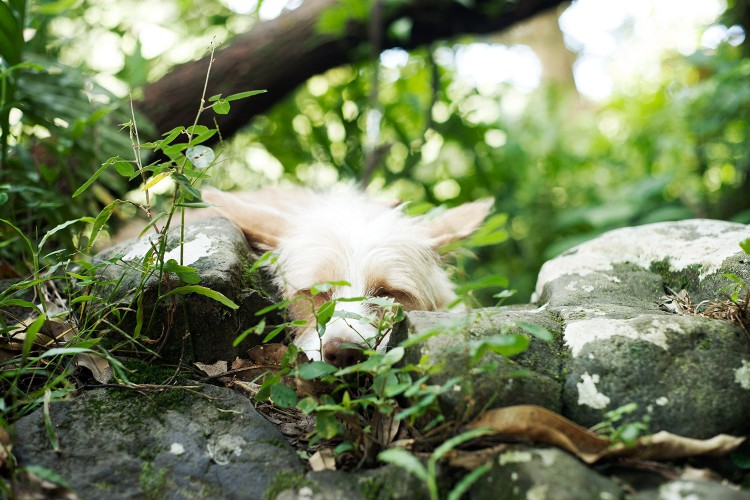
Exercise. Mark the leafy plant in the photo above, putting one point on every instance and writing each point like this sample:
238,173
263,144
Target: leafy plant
617,430
428,474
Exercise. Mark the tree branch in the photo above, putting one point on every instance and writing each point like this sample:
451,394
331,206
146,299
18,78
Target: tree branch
280,54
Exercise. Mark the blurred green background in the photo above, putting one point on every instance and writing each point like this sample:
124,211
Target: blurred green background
596,115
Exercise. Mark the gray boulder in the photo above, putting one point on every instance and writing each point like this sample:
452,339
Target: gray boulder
521,472
612,342
175,444
193,327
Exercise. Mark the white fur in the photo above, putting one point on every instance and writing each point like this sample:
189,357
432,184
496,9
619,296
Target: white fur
345,236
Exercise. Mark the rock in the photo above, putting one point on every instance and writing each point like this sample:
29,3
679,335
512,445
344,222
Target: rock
689,375
684,372
387,482
199,328
692,490
174,444
494,381
522,472
613,344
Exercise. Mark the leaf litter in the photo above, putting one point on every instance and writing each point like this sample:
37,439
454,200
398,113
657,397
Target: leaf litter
58,329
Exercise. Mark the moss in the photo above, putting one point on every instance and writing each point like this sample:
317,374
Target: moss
277,442
374,488
684,279
286,481
153,481
139,405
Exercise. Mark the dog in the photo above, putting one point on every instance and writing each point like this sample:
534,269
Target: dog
364,247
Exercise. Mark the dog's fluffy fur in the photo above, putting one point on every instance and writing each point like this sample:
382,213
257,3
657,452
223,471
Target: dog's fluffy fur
343,235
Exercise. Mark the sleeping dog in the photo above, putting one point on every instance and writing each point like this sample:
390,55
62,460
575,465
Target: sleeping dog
370,249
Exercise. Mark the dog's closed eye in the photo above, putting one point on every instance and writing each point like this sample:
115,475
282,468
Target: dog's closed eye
399,296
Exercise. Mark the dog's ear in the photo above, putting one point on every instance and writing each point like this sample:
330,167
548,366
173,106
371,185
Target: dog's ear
263,225
458,223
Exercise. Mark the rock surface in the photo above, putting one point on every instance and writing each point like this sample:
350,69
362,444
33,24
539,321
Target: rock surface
176,444
612,344
199,328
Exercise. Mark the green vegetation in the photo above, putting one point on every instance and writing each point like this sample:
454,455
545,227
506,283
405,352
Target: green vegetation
77,158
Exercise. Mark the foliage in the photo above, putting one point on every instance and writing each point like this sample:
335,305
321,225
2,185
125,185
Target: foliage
57,318
617,429
56,123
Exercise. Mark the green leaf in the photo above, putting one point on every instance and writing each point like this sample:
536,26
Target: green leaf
406,461
315,369
504,344
283,395
184,183
48,475
273,333
493,281
325,312
536,330
100,221
18,303
745,245
462,486
56,229
393,356
242,95
202,290
326,424
170,136
221,107
31,331
94,177
203,137
185,273
256,329
307,405
451,443
124,168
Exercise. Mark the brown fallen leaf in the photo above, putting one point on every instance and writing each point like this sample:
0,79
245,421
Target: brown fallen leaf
544,426
98,366
267,354
667,446
385,427
213,370
323,460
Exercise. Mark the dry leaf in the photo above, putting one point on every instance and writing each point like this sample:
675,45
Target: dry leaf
267,354
213,370
544,426
666,446
323,460
240,363
98,366
385,427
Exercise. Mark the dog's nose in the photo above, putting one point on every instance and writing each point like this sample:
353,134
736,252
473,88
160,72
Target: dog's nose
336,355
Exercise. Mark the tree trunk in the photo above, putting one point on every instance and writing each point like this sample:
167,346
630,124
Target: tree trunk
280,54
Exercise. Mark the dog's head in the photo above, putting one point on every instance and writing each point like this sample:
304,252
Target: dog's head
358,248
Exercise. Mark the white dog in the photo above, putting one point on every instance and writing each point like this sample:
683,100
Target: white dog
344,236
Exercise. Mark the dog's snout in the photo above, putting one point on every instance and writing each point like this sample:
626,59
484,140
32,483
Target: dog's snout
338,354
